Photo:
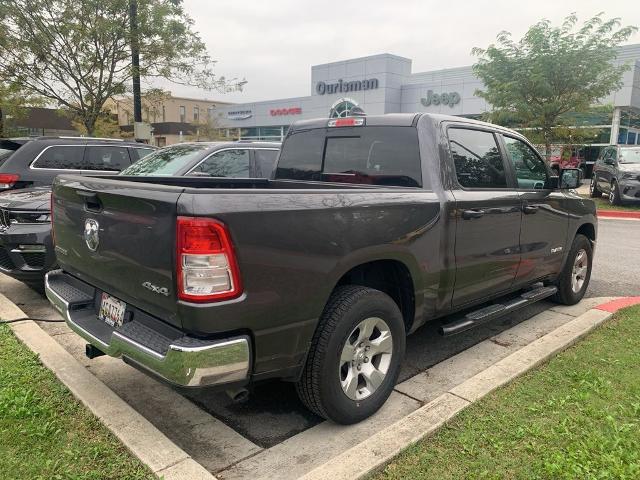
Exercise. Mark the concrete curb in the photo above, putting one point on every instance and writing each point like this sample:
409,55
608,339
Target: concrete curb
371,455
618,214
145,441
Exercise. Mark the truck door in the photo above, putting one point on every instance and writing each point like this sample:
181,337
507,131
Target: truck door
545,219
487,214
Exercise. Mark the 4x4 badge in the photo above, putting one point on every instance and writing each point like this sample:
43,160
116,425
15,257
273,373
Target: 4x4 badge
91,235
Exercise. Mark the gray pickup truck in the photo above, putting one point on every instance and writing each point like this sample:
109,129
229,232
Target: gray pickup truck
370,227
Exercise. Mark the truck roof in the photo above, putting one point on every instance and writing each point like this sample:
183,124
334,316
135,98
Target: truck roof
388,119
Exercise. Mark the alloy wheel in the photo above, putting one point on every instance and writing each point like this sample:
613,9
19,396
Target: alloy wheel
366,358
579,272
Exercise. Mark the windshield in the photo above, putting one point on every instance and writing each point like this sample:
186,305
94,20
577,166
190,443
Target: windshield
167,161
629,155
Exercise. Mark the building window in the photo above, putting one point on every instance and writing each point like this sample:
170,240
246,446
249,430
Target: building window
164,114
210,112
183,113
196,114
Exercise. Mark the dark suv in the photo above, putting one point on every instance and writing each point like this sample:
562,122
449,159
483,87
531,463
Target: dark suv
26,247
35,162
617,174
27,169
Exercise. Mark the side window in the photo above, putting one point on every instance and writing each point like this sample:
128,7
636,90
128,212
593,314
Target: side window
265,162
613,154
61,157
477,159
106,157
529,168
138,153
228,163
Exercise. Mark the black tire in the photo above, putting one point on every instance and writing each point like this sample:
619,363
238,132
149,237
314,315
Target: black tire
566,294
594,191
614,194
319,387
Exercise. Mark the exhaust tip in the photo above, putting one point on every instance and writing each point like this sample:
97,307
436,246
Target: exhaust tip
240,395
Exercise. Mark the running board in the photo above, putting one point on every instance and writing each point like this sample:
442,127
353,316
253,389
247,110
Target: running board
478,317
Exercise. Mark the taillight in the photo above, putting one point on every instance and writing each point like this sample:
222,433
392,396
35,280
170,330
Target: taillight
346,122
207,268
8,180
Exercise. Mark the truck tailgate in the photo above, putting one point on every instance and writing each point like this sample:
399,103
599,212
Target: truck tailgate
136,228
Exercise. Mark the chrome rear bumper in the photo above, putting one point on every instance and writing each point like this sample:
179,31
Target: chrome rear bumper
184,361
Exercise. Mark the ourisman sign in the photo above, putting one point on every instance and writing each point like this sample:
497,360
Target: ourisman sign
342,86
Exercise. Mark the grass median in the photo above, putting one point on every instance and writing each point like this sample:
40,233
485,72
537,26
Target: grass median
577,416
45,432
602,203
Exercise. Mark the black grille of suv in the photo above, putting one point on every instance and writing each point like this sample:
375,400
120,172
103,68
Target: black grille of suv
5,261
5,219
34,260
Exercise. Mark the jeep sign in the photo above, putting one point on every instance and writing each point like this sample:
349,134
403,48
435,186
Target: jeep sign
451,99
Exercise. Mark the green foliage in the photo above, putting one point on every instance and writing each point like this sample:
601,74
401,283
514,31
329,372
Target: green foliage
551,71
78,54
576,417
12,103
45,432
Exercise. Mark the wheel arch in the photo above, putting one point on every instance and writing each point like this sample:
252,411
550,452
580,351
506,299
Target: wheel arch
394,276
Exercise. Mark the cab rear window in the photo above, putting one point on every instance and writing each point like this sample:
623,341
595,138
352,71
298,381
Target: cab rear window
363,155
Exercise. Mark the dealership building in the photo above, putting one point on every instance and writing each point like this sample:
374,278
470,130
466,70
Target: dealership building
385,83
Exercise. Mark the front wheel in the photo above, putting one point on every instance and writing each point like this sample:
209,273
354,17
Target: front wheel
614,194
574,279
355,355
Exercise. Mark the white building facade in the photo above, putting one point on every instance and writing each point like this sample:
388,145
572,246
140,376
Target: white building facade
385,83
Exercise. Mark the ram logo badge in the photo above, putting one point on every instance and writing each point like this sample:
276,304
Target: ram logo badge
91,234
556,250
155,289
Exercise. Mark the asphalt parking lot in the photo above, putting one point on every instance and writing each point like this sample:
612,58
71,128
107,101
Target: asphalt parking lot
219,433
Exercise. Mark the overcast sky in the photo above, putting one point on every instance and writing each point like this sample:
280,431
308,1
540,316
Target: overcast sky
274,43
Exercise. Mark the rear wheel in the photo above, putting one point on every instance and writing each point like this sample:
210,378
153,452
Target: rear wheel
574,279
594,192
355,355
614,194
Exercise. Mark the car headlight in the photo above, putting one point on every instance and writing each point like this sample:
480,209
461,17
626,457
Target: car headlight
629,176
30,217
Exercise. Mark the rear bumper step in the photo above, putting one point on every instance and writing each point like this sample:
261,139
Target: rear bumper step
179,359
478,317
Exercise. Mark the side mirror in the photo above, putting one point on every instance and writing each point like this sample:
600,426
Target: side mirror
570,178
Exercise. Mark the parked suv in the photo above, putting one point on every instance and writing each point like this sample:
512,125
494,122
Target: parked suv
27,169
617,174
35,162
26,248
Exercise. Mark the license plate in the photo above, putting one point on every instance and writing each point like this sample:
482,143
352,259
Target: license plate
112,310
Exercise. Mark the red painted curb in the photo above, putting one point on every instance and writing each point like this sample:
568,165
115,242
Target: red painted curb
615,305
617,214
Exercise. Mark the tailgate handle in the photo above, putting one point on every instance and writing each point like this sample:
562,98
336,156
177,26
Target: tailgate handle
91,200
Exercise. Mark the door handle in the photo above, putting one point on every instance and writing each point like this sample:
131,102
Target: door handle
529,209
469,214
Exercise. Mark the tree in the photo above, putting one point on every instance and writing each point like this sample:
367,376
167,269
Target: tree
551,71
106,127
13,103
78,54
